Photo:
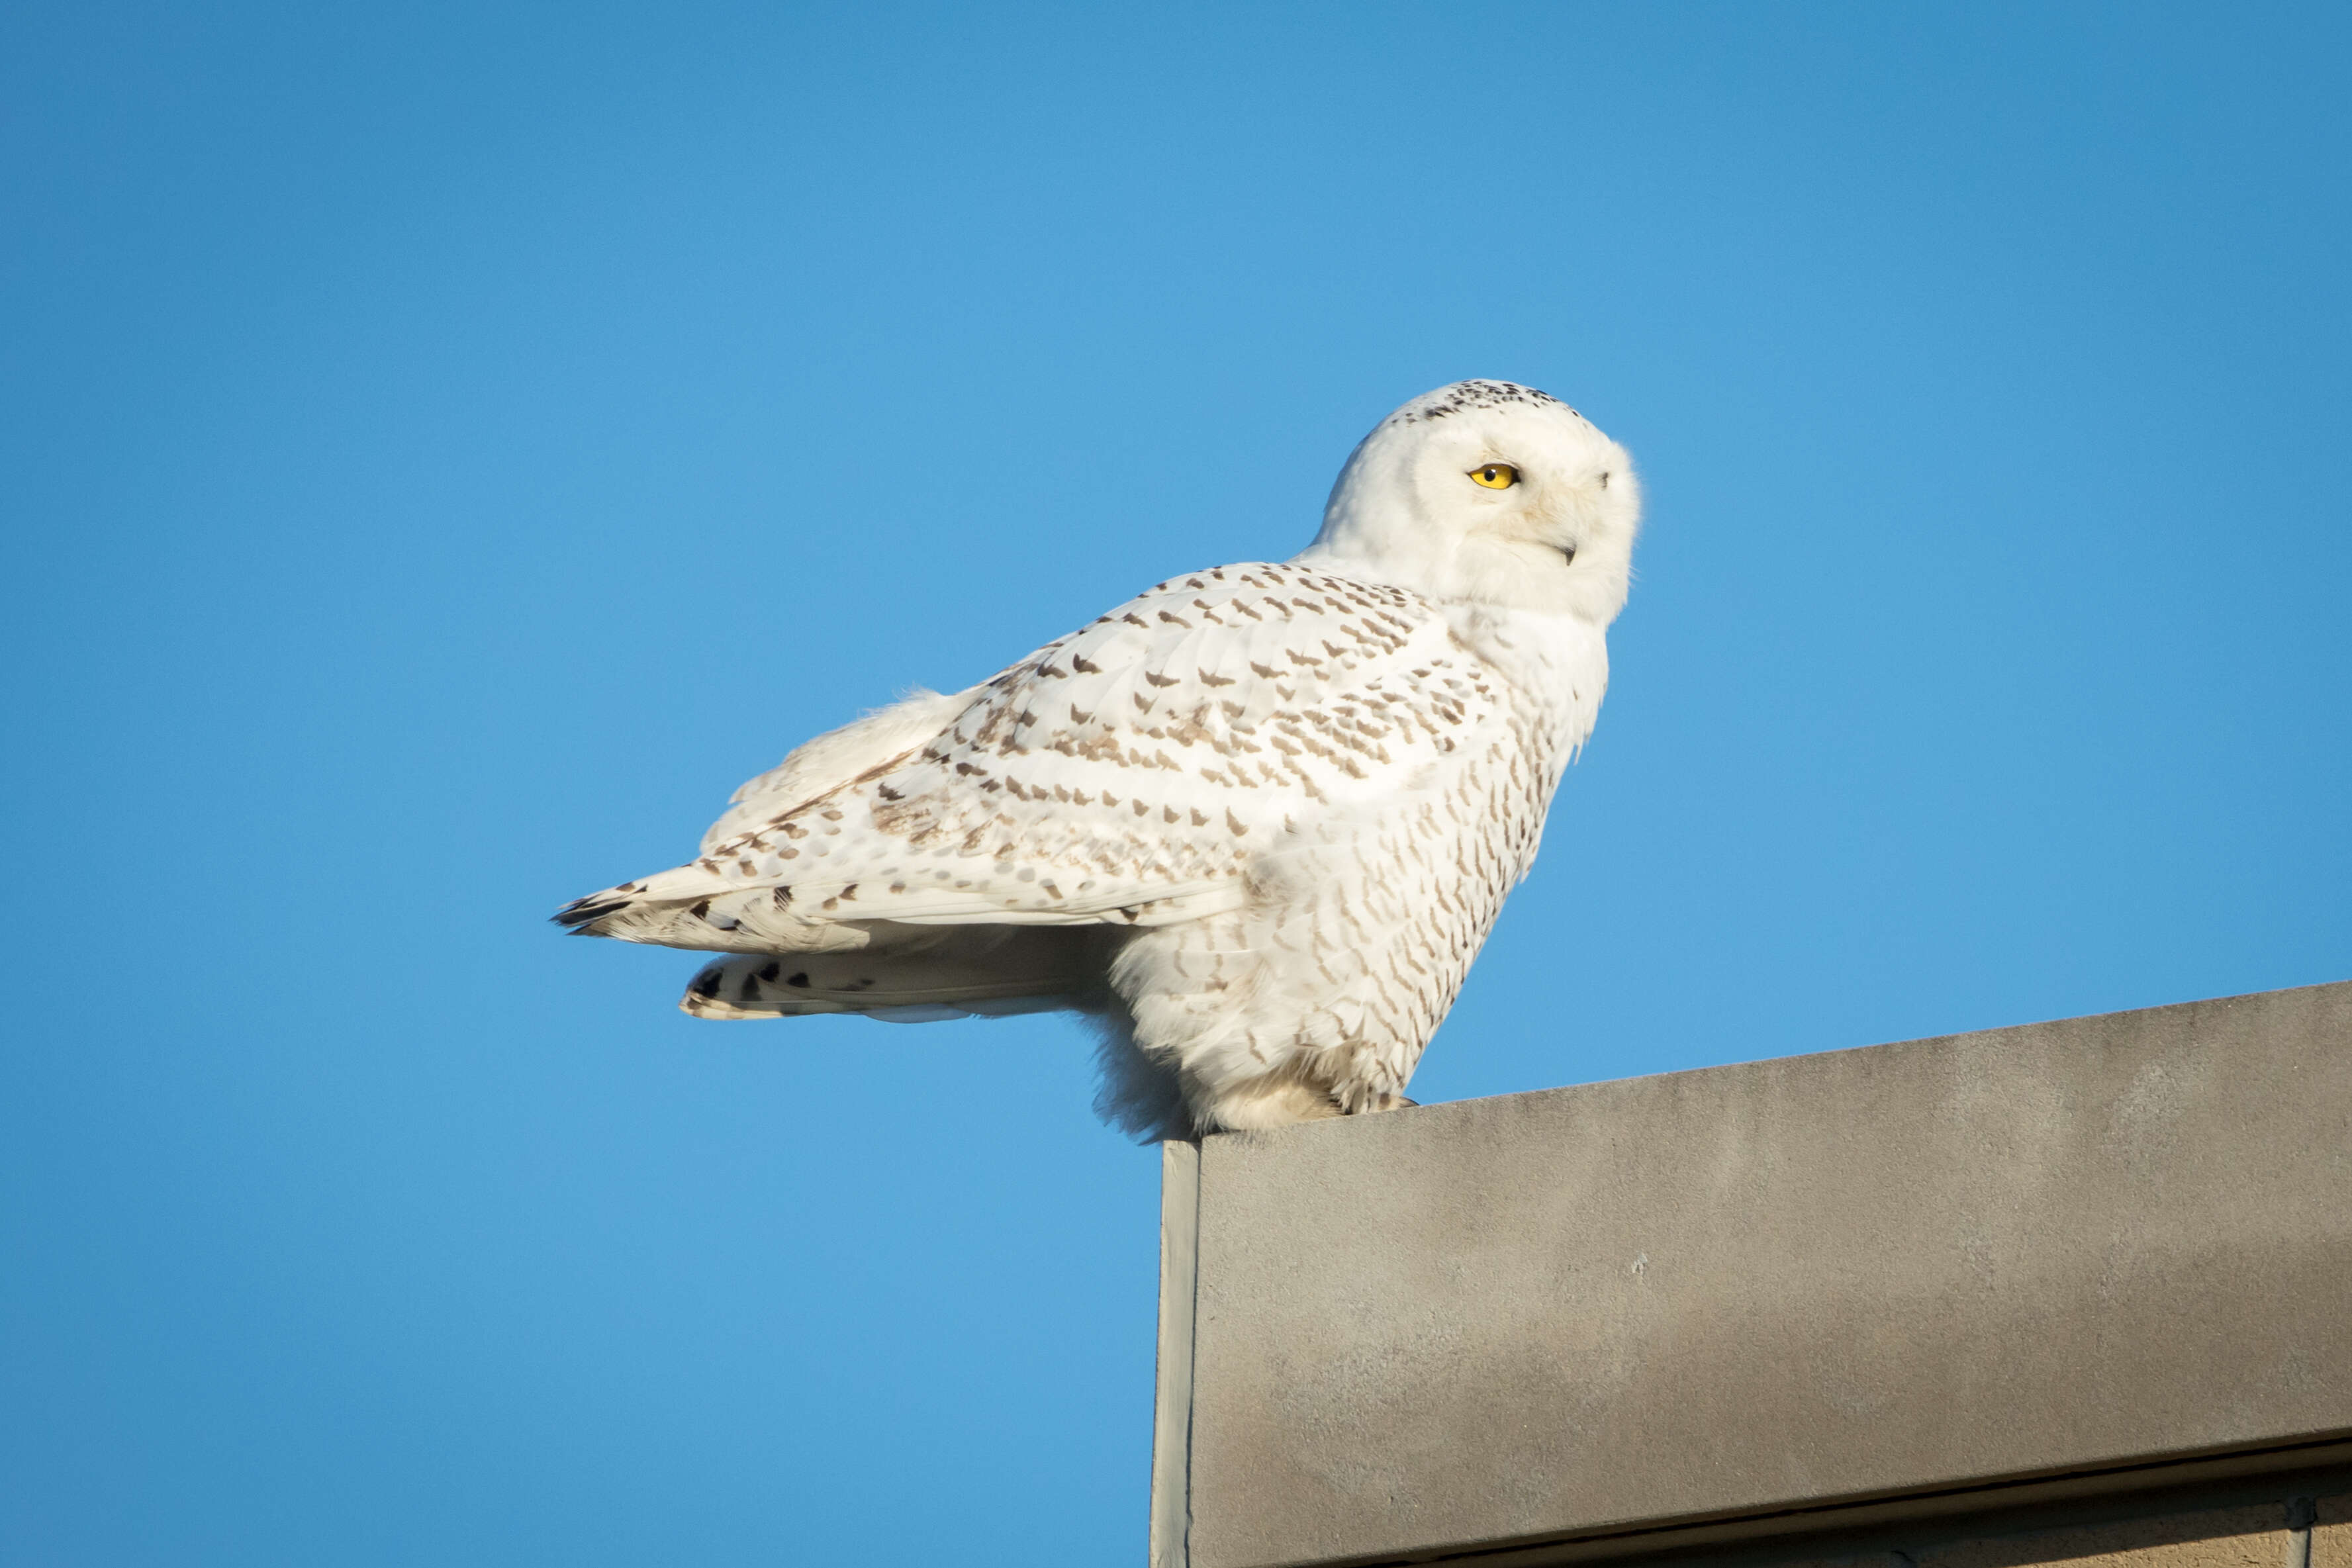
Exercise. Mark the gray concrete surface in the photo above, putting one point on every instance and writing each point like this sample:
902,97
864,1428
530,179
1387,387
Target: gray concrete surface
1725,1293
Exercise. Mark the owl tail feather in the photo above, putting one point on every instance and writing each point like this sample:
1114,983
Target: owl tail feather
941,973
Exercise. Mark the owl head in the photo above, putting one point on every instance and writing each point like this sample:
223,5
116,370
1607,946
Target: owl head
1488,492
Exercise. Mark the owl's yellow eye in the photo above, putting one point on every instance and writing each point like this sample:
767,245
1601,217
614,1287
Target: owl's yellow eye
1496,475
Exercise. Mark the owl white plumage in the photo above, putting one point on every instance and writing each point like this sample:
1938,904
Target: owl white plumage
1255,821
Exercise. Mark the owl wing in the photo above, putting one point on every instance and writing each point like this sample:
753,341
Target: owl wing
817,767
1130,773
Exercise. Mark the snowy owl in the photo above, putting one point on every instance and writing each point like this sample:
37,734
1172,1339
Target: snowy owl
1255,822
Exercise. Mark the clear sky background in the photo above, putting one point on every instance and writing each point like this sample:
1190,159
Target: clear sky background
446,447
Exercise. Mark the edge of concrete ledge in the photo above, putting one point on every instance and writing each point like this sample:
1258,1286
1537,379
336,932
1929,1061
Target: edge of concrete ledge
1172,1428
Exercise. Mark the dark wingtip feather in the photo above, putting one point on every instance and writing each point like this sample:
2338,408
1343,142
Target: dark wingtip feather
583,912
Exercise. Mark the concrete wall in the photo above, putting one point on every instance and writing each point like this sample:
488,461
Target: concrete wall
1935,1287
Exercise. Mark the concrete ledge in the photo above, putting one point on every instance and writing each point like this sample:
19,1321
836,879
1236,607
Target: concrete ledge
1820,1293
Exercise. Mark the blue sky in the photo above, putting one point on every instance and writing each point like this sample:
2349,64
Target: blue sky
445,448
